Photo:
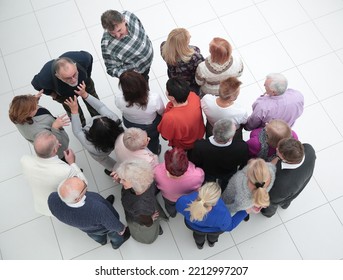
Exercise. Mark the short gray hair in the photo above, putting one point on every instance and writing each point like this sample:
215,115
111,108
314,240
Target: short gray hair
223,130
44,144
278,82
135,139
138,172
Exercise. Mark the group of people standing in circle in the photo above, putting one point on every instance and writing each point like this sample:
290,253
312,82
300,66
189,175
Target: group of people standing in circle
210,175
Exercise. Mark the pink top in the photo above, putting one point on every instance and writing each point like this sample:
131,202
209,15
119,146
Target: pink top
255,145
172,188
122,153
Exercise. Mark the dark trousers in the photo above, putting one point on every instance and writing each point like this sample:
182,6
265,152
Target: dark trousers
271,209
200,237
151,130
101,237
170,207
146,75
91,90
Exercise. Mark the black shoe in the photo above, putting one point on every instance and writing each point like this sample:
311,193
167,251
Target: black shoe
247,218
200,246
211,244
285,206
107,172
110,199
160,231
126,236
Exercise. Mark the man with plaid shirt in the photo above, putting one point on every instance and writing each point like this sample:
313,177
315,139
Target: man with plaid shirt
125,45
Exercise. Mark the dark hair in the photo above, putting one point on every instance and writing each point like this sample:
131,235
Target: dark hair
179,89
135,88
110,19
291,150
103,133
176,161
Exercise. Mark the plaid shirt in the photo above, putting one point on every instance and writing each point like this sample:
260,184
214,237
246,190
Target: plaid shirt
132,52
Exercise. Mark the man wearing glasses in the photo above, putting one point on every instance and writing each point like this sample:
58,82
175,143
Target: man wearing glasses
60,78
88,211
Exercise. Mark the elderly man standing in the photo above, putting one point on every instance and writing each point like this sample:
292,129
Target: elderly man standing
73,205
61,78
125,45
219,156
45,171
294,168
279,102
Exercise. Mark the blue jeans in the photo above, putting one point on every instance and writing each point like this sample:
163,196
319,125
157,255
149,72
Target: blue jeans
101,237
151,130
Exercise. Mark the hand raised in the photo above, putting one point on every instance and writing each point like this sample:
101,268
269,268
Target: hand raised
61,121
72,103
81,90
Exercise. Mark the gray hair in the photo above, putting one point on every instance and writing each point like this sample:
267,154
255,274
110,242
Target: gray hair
278,82
135,139
44,144
138,172
61,63
110,19
223,130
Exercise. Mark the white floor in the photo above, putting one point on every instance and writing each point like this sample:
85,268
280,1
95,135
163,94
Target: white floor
300,38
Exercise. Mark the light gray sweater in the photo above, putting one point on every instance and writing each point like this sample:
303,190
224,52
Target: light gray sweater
237,195
79,132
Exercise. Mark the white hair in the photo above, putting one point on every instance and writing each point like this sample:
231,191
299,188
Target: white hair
278,83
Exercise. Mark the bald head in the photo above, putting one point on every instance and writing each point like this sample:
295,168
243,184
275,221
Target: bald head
46,144
72,190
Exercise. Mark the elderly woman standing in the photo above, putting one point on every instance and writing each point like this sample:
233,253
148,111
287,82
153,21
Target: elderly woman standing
177,176
223,106
140,107
133,144
249,187
182,59
139,200
206,214
217,67
30,119
99,135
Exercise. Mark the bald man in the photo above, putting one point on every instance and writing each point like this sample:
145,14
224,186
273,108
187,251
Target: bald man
73,205
45,171
60,78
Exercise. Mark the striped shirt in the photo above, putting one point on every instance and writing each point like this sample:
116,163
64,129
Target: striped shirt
132,52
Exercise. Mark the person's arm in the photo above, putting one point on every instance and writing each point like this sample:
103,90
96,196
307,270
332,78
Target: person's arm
254,121
75,171
114,65
99,106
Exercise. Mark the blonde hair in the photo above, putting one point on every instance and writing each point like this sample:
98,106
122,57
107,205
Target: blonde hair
277,130
176,47
135,139
138,172
208,196
21,107
258,174
220,50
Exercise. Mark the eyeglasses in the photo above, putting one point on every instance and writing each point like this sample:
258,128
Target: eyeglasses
84,189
